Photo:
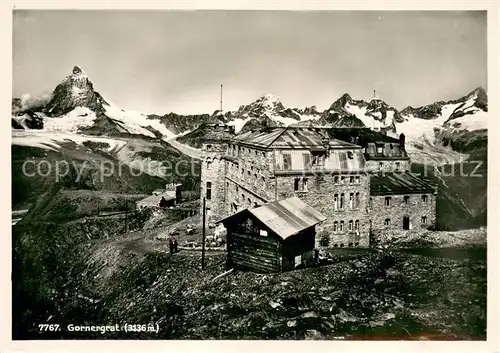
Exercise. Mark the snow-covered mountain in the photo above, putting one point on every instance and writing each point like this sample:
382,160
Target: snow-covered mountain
76,107
374,114
268,110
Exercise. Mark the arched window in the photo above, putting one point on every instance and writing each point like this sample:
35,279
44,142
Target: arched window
342,201
341,227
336,201
335,226
350,225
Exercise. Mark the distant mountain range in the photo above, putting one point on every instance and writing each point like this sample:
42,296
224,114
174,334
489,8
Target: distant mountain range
75,106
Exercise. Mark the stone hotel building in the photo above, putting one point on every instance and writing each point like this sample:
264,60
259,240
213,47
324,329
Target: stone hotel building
358,178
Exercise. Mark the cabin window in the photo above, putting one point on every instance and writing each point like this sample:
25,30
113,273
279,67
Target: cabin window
424,220
406,200
287,161
296,184
342,200
335,227
341,226
424,198
356,225
209,190
387,201
263,232
387,222
350,225
297,260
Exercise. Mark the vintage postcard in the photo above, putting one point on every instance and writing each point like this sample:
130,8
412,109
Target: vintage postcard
250,174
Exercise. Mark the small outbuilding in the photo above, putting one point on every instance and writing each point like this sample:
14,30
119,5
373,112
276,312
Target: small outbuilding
154,201
275,237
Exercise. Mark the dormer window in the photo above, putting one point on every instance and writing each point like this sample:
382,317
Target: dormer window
380,149
209,147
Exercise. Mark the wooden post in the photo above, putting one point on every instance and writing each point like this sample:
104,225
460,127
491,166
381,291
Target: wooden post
203,236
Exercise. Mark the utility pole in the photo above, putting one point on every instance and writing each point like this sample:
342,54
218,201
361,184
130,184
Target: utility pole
203,236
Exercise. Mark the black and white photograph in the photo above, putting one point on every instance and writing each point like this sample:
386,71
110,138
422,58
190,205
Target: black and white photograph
245,174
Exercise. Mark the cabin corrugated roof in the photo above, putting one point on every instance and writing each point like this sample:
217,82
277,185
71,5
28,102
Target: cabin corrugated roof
400,183
284,217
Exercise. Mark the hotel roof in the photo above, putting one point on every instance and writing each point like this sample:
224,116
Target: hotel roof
400,183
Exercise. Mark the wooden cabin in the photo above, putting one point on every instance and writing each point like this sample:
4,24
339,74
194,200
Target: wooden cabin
275,237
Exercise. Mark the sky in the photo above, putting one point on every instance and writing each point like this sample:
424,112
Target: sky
175,61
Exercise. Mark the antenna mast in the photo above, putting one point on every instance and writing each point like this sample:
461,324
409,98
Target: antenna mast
374,94
221,98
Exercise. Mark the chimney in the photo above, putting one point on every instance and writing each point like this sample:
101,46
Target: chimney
402,140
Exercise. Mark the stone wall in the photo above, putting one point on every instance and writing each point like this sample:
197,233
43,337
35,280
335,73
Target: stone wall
213,169
414,209
320,195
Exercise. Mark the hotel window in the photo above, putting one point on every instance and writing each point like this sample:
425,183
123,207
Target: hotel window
406,200
335,226
307,160
351,180
319,160
304,184
424,220
336,201
351,200
387,201
209,190
342,200
336,179
296,184
341,227
356,200
287,161
357,179
356,225
209,164
350,155
350,226
424,198
387,222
